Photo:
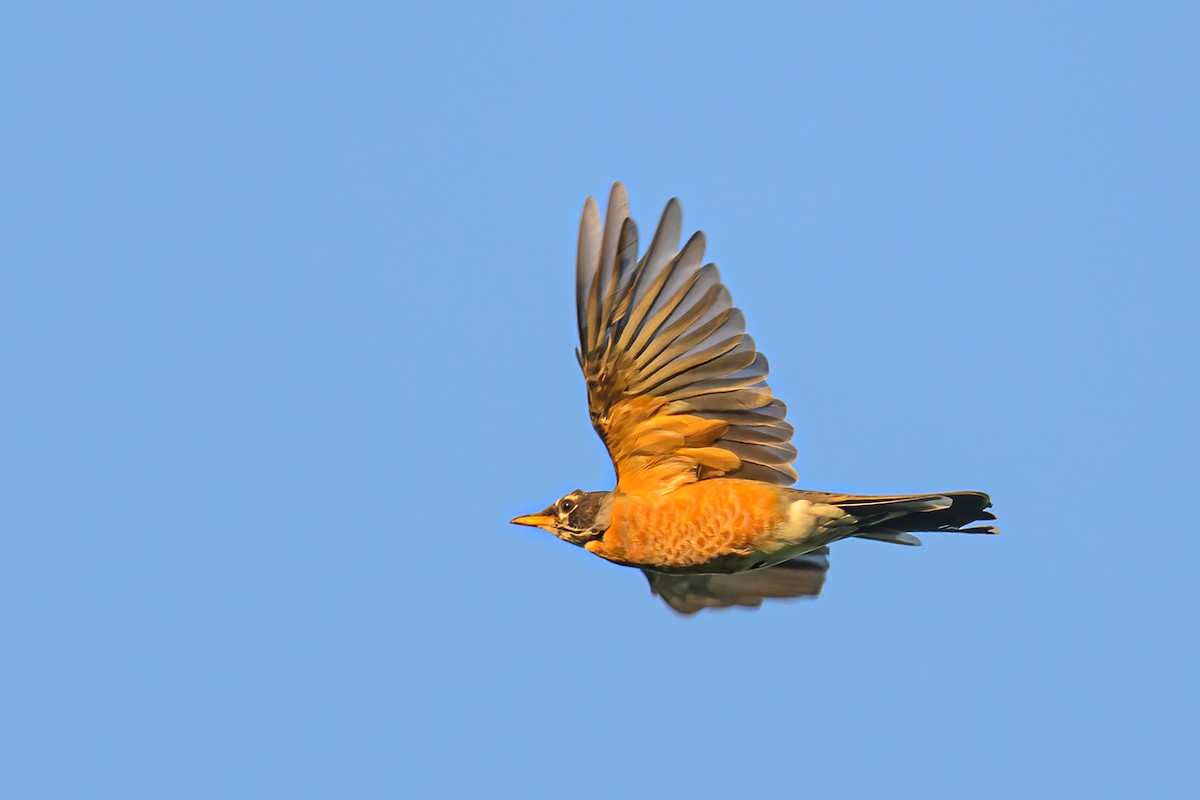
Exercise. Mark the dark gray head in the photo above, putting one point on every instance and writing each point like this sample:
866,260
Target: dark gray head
578,517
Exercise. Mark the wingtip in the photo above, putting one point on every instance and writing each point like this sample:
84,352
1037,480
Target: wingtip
589,231
618,199
672,215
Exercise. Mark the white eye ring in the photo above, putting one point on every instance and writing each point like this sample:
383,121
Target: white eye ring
566,505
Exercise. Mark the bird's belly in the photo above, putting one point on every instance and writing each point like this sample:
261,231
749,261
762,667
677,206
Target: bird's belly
719,525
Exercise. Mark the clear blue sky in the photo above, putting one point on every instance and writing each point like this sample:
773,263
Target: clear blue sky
286,332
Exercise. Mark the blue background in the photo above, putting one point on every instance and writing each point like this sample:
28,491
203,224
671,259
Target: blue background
286,330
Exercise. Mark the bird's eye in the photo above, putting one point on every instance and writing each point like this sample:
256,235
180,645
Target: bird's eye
566,506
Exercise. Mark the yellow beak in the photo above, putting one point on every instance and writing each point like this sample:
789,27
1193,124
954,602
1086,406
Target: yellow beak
534,520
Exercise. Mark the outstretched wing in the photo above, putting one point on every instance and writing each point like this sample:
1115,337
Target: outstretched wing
676,389
801,577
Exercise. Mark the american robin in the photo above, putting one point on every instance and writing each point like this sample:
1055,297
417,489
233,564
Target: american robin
703,454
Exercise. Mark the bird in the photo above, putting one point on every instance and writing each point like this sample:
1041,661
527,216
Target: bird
704,502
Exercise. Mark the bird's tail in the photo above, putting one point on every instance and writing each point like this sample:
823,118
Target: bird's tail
895,519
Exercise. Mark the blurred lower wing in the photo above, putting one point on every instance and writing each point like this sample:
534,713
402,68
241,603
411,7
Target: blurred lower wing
687,594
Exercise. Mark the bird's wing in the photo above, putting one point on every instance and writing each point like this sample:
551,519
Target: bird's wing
801,577
676,389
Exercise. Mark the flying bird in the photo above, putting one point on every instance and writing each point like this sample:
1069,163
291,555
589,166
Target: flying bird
678,393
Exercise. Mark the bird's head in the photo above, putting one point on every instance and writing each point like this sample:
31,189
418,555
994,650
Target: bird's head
578,517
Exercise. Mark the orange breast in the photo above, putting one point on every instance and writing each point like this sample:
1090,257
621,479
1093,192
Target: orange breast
691,526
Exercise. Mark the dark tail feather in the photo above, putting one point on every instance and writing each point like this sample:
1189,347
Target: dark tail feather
895,519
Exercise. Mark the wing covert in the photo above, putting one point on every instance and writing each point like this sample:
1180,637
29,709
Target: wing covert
676,389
